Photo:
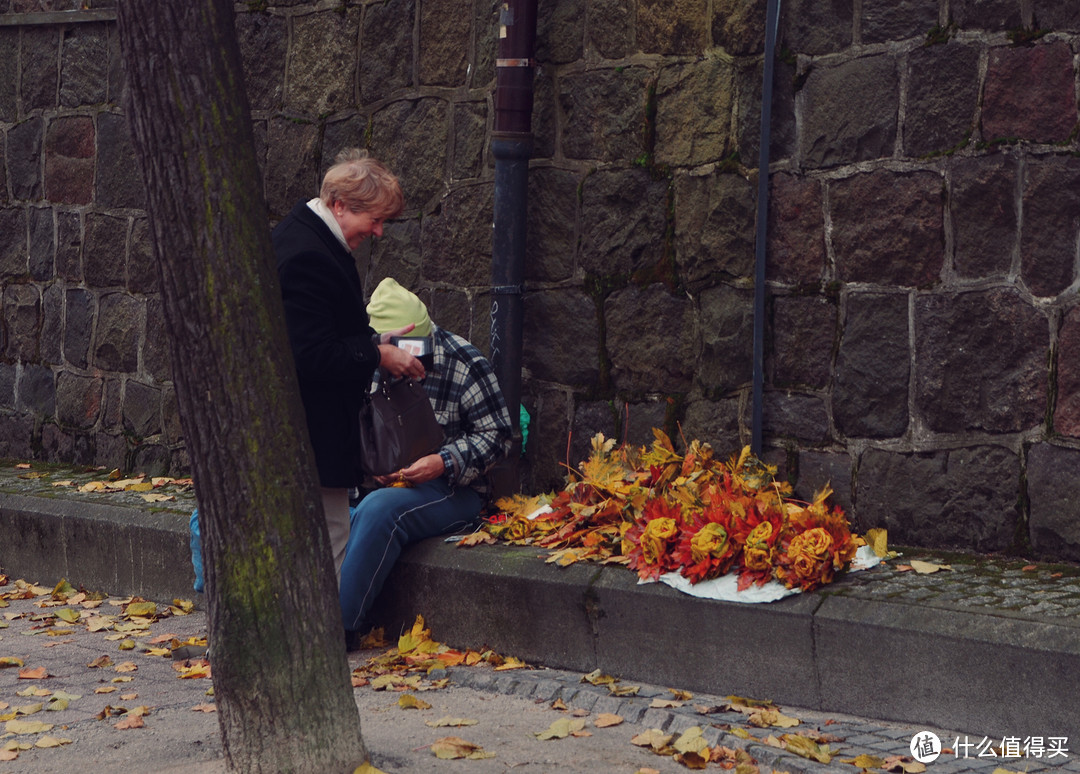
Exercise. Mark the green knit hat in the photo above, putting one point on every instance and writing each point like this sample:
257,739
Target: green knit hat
392,307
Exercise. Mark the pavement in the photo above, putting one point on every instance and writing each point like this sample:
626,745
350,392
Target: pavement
984,654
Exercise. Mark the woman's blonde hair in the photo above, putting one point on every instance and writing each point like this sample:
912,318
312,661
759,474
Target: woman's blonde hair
362,183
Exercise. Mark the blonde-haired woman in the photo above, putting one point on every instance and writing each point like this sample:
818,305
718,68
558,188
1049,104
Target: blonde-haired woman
335,348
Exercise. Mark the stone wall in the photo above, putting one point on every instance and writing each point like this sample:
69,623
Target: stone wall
923,334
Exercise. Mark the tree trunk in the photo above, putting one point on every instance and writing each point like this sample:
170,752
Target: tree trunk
281,679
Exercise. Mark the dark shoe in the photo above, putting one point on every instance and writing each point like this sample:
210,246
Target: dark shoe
185,652
353,640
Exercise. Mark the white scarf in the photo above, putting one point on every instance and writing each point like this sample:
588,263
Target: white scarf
319,208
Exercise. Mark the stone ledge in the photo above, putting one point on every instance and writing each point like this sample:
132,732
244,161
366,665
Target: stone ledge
974,671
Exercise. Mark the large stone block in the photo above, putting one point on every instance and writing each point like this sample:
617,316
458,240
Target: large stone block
959,498
671,27
52,324
714,227
1067,405
558,30
3,170
22,322
651,339
156,354
105,250
884,21
398,254
796,235
850,112
16,436
983,209
624,217
544,115
40,71
42,243
486,31
319,76
444,26
263,40
716,423
638,419
562,337
551,218
457,240
470,139
818,469
795,417
544,456
9,376
413,138
1055,15
603,113
980,362
590,418
783,135
142,272
14,251
69,246
119,182
25,149
141,409
607,29
992,15
79,312
78,399
292,163
84,65
726,320
873,364
816,27
1029,93
1051,208
119,331
888,228
738,26
804,334
1053,491
37,391
943,92
9,73
694,105
69,160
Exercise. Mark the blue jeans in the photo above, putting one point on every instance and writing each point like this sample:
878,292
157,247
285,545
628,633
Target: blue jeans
386,521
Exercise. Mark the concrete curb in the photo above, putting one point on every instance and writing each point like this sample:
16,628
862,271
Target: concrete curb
981,672
111,548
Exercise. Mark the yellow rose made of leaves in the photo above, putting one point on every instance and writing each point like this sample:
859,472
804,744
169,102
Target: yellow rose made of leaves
654,539
757,553
710,541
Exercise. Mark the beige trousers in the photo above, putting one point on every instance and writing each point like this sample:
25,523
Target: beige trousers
336,507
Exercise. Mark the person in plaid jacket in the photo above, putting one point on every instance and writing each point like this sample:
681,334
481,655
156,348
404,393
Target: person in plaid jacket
440,492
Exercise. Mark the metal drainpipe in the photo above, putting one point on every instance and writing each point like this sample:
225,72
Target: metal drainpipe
772,20
511,146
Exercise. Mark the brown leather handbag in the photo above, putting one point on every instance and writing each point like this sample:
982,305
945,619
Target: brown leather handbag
397,427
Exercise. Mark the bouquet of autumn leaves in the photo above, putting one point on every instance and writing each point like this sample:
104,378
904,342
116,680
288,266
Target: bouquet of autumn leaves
658,512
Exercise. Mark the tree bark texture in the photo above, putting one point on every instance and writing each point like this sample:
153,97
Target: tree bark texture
281,679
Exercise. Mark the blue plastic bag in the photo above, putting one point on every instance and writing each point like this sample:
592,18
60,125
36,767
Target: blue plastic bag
196,551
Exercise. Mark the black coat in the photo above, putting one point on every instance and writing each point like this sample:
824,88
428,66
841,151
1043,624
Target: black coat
331,338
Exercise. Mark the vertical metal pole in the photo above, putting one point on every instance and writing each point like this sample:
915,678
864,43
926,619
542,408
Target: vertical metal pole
772,20
511,146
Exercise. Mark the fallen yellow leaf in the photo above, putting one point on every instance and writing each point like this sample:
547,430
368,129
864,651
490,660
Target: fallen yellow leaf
451,747
204,708
561,728
925,568
449,722
47,741
408,701
607,720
